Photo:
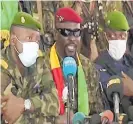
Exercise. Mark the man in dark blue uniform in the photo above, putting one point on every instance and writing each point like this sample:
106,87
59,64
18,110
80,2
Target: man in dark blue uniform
112,61
115,61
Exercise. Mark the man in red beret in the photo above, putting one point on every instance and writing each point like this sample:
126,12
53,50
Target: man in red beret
68,42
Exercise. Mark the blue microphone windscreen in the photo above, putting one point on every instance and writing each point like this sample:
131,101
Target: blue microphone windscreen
69,67
78,118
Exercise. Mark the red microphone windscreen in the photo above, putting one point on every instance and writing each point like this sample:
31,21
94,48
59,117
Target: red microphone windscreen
107,114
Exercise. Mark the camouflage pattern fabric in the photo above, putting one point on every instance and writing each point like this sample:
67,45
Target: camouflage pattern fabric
92,79
4,38
36,84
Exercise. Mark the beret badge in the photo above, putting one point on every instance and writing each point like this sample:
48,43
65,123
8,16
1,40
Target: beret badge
22,19
60,18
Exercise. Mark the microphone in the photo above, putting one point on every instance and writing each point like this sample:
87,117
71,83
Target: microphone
115,93
69,67
78,118
69,70
106,117
95,119
125,102
102,118
130,113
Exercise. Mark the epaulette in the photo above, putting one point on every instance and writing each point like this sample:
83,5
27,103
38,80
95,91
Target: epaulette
3,64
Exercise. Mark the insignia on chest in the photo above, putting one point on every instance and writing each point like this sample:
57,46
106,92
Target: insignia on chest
102,70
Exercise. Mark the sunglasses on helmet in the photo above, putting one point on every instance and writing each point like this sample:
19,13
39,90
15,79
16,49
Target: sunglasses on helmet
69,32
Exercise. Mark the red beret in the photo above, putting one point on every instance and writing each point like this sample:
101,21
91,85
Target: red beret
67,14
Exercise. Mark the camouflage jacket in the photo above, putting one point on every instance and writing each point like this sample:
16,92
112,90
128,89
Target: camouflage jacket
92,79
36,84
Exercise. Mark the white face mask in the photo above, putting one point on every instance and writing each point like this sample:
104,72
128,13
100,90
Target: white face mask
30,53
117,48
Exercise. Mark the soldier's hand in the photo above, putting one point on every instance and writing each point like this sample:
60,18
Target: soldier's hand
13,108
127,84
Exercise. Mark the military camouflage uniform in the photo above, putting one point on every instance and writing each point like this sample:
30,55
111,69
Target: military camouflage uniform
92,79
36,84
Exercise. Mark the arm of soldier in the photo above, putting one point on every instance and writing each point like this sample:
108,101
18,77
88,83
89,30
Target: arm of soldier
94,50
95,96
47,101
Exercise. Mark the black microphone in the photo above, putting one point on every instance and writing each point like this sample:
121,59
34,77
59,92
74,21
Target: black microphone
102,118
130,113
95,119
125,102
115,93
